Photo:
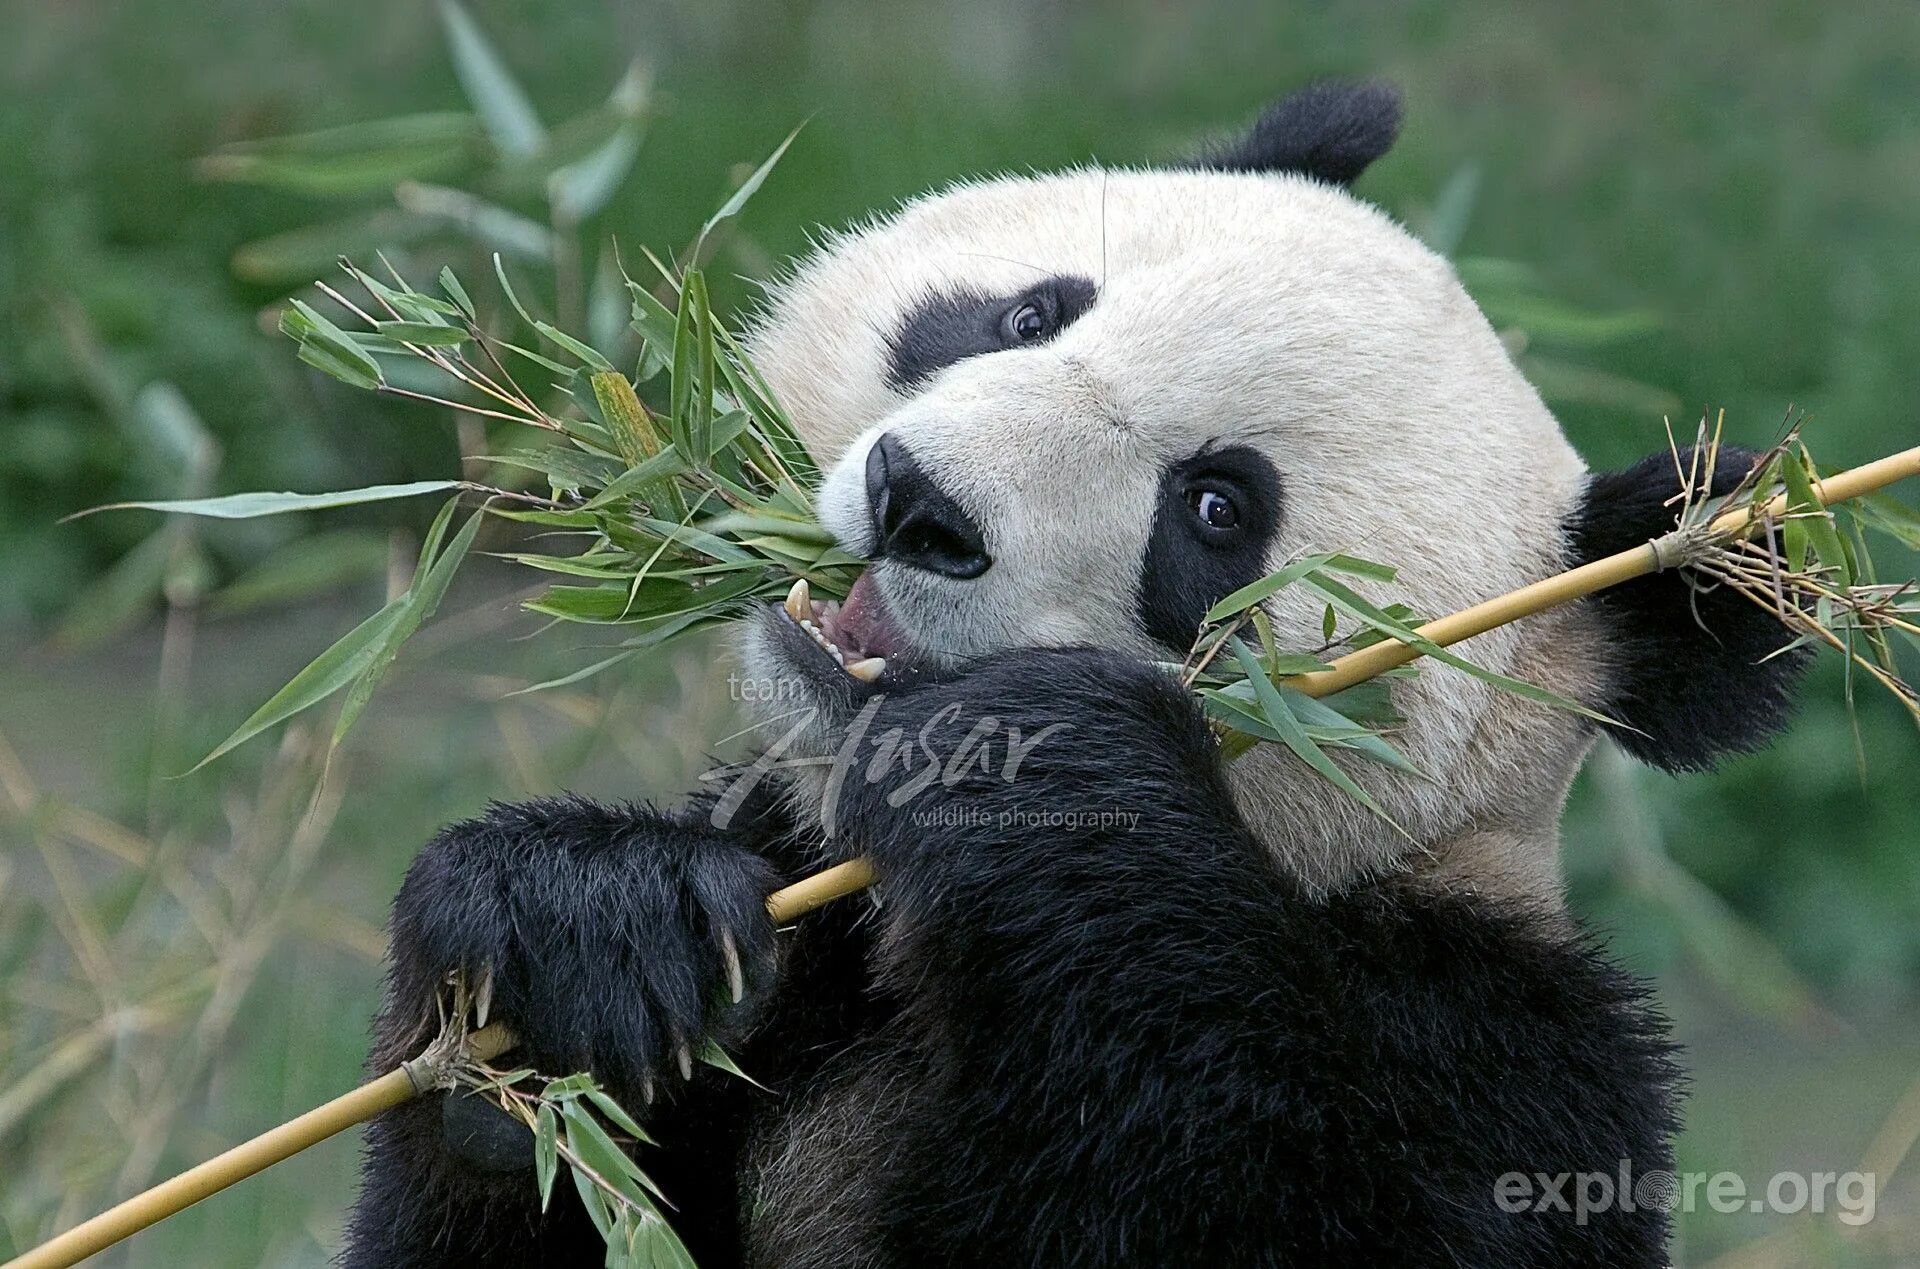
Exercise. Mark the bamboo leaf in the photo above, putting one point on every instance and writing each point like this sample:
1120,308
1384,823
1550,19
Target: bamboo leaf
546,1152
1255,592
417,605
583,187
626,418
1275,713
425,334
326,347
457,293
600,1152
589,356
738,199
496,96
355,159
326,674
1806,510
718,1058
489,224
615,1112
247,506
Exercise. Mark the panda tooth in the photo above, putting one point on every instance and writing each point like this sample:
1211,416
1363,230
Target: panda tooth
867,669
800,601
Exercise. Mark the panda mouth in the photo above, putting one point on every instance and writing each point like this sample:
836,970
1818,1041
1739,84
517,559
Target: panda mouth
860,633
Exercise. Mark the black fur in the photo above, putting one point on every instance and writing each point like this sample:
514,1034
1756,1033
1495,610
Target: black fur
1689,673
1101,1029
951,326
1331,131
1188,568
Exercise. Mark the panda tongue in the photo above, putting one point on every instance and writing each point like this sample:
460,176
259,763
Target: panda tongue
864,625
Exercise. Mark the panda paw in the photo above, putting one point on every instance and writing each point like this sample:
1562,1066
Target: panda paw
615,940
1694,671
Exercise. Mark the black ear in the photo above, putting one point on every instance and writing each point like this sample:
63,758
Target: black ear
1330,130
1690,669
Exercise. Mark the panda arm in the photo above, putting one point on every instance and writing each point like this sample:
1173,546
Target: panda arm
1142,1045
614,936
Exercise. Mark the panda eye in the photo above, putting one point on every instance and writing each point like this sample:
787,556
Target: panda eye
1215,509
1028,323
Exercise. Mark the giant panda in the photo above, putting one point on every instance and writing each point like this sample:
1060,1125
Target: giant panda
1113,1001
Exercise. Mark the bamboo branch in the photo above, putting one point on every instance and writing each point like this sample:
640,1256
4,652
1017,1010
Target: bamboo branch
398,1086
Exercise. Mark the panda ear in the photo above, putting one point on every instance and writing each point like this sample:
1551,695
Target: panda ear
1331,131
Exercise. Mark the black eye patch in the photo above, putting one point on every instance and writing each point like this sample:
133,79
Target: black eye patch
951,326
1191,564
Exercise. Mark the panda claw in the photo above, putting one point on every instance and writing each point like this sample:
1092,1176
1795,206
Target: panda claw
684,1056
736,977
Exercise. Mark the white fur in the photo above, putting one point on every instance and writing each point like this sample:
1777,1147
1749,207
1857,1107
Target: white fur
1271,311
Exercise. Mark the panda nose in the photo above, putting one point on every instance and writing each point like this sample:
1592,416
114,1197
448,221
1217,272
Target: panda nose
915,521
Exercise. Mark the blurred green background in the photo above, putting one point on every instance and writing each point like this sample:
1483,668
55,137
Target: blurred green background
1666,206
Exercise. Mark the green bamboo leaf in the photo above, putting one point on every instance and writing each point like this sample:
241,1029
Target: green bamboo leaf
457,293
356,159
1887,514
596,1203
615,1112
564,466
496,96
1339,562
546,1152
741,523
630,483
589,356
425,334
692,395
246,506
718,1058
621,569
420,602
583,187
298,255
326,347
1255,592
411,304
326,674
600,1152
1806,510
748,188
1274,712
488,224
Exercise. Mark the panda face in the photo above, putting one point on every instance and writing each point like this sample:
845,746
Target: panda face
1080,408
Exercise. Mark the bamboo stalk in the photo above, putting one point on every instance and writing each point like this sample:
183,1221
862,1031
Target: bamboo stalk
398,1086
217,1173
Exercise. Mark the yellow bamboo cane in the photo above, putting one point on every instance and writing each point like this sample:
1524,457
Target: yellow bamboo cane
804,896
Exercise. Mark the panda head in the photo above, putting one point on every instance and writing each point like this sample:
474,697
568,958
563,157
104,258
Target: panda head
1082,407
